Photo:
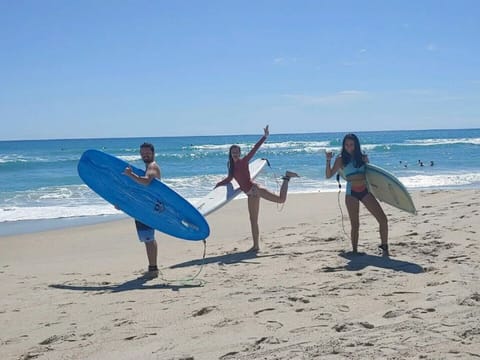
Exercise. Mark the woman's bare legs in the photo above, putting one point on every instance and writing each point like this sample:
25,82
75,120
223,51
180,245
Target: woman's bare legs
376,210
253,210
254,205
282,197
353,208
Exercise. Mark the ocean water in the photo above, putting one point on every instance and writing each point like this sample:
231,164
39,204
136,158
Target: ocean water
39,183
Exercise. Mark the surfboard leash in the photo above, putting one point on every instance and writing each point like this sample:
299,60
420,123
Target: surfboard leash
189,280
275,178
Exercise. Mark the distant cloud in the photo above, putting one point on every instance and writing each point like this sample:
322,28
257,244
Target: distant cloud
284,60
431,95
340,97
418,92
357,58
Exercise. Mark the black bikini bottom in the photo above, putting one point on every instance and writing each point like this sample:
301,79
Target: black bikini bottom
359,194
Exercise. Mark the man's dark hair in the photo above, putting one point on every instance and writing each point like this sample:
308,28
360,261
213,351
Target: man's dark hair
148,145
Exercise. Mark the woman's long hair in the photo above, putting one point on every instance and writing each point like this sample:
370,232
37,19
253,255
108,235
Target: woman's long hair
357,154
231,163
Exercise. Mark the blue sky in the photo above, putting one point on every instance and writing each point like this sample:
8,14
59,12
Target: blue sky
71,69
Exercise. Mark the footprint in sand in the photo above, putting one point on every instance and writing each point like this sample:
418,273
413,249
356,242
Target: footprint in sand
323,316
34,353
229,355
137,337
226,322
472,300
57,338
263,310
14,340
122,322
204,310
343,308
301,299
343,327
393,314
331,269
50,324
273,325
350,326
333,238
429,269
257,345
470,333
416,312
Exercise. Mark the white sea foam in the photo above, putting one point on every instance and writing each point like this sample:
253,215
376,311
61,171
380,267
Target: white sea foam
214,147
297,144
440,180
130,158
432,142
52,196
14,158
289,145
54,212
370,147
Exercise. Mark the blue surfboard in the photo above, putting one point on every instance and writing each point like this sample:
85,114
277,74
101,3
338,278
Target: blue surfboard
155,205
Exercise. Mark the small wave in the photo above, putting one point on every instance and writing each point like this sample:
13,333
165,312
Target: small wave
370,147
433,142
441,180
15,159
52,195
297,144
213,147
130,158
54,212
267,145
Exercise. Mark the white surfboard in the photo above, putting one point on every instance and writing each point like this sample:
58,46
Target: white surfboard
387,188
220,196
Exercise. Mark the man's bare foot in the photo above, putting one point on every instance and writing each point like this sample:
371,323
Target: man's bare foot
253,249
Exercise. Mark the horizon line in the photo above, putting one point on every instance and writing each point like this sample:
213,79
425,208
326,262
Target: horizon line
218,135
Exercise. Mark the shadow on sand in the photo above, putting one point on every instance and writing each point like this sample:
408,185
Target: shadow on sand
138,283
233,258
360,261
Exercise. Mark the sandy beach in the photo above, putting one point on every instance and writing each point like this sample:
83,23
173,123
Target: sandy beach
78,293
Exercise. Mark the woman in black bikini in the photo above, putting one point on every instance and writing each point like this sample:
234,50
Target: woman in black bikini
352,163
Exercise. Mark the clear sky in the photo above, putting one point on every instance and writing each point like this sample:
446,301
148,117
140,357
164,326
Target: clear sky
107,68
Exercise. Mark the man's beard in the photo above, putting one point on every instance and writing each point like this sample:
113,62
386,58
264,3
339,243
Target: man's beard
147,160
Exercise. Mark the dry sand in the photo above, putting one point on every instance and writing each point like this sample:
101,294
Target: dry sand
78,293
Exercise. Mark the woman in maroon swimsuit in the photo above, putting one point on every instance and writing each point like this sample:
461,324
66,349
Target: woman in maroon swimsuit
238,170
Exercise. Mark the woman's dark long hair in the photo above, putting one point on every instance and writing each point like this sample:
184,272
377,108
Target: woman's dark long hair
231,163
357,154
